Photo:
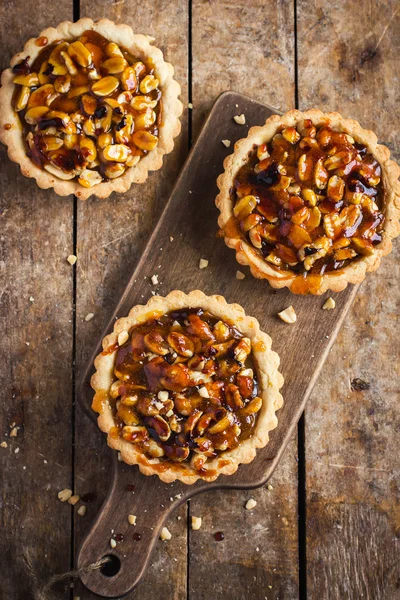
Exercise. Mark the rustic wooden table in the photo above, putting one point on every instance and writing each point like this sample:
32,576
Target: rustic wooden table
329,527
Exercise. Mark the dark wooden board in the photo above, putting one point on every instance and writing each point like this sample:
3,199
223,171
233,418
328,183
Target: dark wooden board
247,46
111,235
36,304
190,218
352,459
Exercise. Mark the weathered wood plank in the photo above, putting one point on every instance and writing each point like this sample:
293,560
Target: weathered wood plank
35,354
111,235
247,47
348,61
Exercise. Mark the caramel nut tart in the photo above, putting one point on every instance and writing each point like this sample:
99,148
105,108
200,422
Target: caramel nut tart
310,201
89,108
187,387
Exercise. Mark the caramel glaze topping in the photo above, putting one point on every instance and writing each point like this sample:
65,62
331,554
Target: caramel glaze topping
185,388
88,108
310,200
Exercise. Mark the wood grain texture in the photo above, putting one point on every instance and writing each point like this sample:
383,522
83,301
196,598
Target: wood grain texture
111,234
247,47
36,357
353,466
347,61
233,39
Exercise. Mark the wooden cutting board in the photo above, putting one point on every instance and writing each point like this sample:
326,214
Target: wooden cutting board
185,233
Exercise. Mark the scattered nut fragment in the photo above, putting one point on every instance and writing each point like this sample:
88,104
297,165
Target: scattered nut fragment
154,279
240,119
165,534
113,543
163,395
329,304
122,338
132,519
16,450
250,504
288,315
190,105
89,317
226,143
196,523
64,495
72,259
31,299
203,263
270,487
14,432
240,275
74,499
4,445
203,391
82,511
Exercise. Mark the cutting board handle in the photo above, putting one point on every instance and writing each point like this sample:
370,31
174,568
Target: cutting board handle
130,494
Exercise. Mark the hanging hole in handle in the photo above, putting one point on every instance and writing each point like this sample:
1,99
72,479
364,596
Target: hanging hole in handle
112,566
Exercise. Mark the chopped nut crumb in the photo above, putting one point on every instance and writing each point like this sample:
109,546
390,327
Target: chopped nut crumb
4,445
163,395
72,259
251,503
190,105
285,521
240,119
132,519
196,523
16,450
113,543
171,239
14,432
165,534
89,317
329,304
64,495
203,263
203,391
226,143
82,510
270,487
31,299
240,275
74,499
122,338
288,315
154,279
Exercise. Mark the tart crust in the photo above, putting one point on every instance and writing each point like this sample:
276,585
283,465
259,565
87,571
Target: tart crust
141,46
270,380
356,271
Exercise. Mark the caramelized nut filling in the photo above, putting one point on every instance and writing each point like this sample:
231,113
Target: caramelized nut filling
88,108
310,200
185,388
